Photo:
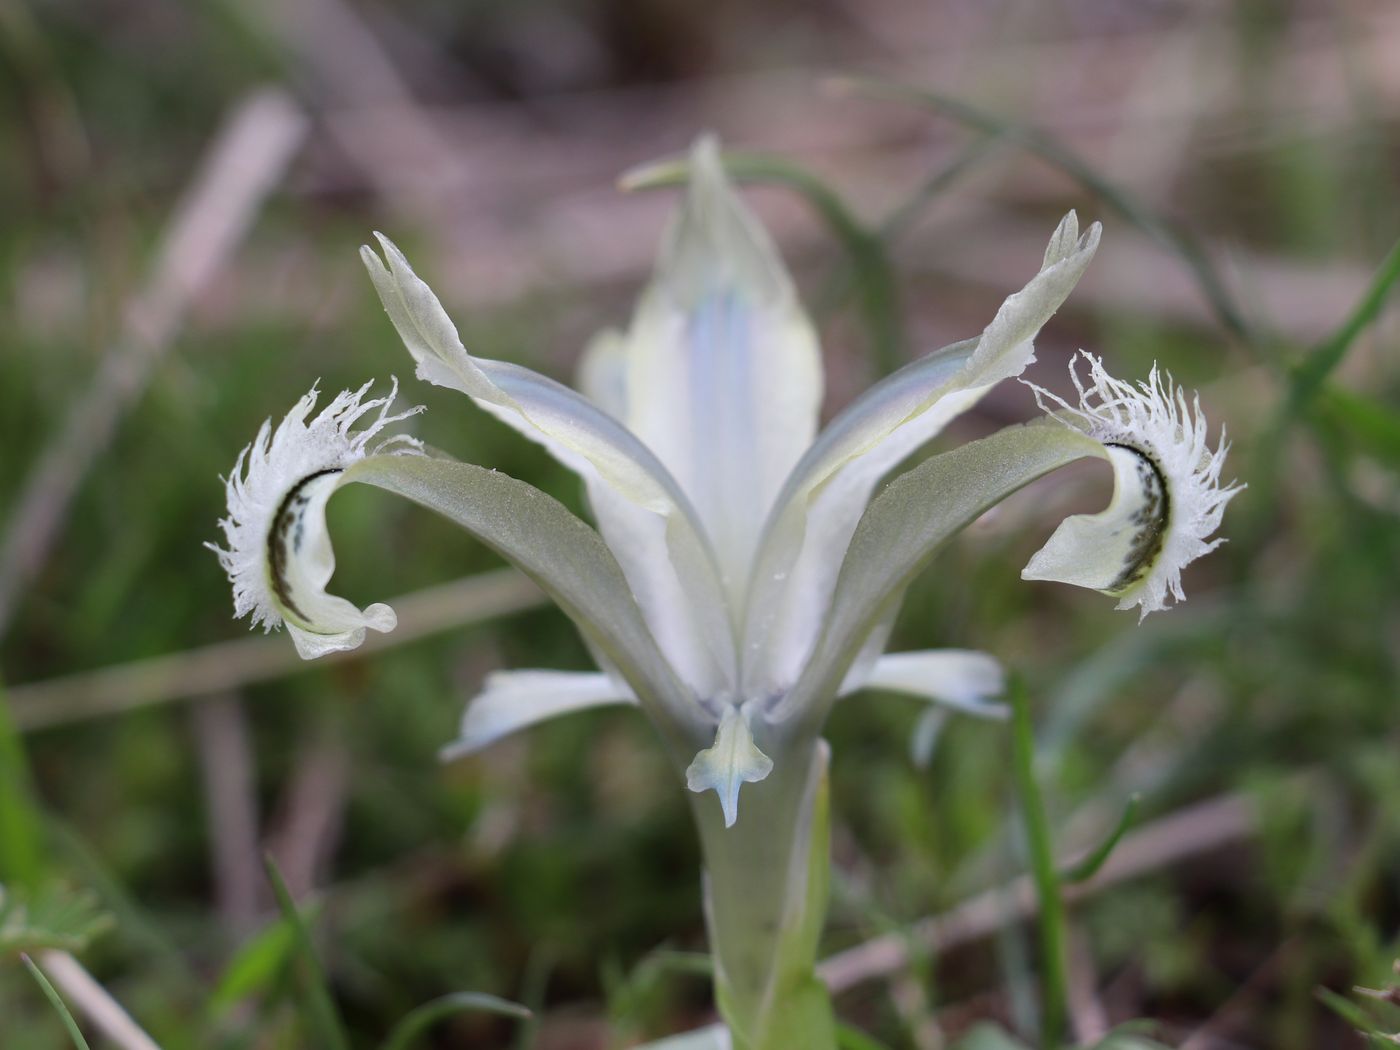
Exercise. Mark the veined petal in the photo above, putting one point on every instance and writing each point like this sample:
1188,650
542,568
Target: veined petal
279,557
724,375
641,511
732,761
959,679
1167,495
811,527
514,700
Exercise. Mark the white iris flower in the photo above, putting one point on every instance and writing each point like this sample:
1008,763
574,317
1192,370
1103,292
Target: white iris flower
744,572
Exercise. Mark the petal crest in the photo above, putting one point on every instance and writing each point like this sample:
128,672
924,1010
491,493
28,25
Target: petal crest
732,761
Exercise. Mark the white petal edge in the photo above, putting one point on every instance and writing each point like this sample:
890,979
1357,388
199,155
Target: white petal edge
959,679
513,700
732,761
641,511
1167,495
811,527
724,376
279,556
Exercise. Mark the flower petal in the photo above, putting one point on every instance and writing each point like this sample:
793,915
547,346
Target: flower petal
1167,495
640,509
905,525
514,700
567,559
712,1037
959,679
733,760
279,557
724,374
809,531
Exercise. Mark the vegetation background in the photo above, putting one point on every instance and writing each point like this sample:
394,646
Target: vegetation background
182,190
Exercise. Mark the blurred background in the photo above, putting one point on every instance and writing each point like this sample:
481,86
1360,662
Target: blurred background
183,187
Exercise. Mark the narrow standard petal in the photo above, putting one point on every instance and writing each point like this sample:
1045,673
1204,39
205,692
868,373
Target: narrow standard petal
1167,497
732,761
641,511
724,376
513,700
279,557
811,527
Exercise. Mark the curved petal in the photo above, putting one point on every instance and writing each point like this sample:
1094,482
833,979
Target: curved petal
723,372
958,679
822,502
567,559
902,529
641,511
513,700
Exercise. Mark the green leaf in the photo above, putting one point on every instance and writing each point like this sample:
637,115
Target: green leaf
315,986
255,967
21,848
429,1014
51,993
1088,867
53,917
848,1038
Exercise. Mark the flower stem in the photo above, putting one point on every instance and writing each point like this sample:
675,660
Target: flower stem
1043,871
765,904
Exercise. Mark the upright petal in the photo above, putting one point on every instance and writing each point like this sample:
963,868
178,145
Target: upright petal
724,378
641,511
811,527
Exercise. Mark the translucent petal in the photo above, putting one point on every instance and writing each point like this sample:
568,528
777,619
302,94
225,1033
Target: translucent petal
733,760
641,511
724,374
514,700
822,502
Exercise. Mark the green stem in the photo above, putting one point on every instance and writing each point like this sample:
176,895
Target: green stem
1043,871
766,881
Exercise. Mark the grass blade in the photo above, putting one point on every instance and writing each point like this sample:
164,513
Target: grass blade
420,1020
1086,869
316,988
1179,241
51,993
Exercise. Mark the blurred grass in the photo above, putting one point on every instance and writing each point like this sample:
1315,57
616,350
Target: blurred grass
573,844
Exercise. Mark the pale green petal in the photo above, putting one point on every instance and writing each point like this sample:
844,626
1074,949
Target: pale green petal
565,557
724,375
808,534
641,511
906,524
732,761
513,700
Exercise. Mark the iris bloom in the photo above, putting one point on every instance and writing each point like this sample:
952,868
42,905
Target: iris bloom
745,569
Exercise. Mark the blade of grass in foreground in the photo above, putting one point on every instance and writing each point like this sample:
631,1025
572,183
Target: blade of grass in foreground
51,993
316,988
